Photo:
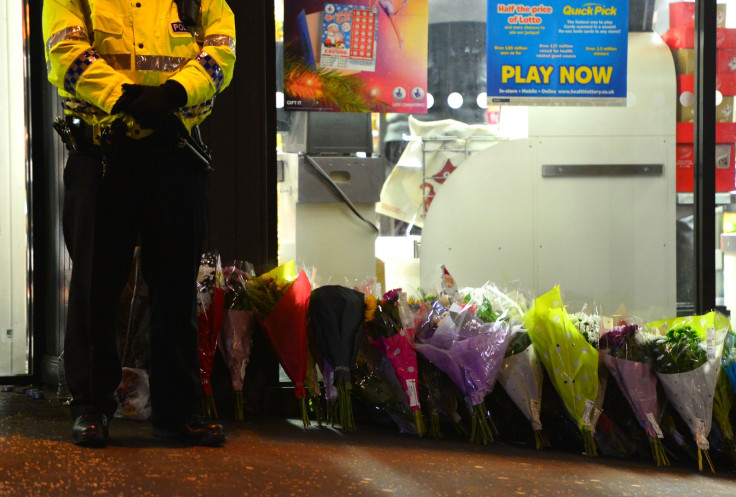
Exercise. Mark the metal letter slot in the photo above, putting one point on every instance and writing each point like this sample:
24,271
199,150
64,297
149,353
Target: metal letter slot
601,170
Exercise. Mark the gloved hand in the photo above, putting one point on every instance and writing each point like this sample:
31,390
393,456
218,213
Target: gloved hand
150,105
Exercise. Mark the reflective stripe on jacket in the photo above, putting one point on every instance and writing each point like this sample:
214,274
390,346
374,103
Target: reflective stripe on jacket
93,47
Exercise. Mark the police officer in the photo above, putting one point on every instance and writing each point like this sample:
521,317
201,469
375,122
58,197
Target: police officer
134,77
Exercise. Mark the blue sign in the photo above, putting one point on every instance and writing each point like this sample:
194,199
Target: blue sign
570,52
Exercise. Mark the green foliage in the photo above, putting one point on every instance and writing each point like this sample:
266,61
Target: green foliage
679,351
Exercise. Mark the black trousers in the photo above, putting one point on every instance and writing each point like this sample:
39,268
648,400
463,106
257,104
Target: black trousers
158,195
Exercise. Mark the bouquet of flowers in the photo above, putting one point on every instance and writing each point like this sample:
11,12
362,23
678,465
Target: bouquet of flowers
336,316
725,391
588,325
210,302
493,303
571,362
280,302
430,394
722,404
470,352
431,313
624,351
521,372
521,376
729,358
376,384
391,330
237,329
687,361
439,393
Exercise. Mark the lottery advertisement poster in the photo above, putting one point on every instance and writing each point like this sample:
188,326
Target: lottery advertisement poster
571,52
356,56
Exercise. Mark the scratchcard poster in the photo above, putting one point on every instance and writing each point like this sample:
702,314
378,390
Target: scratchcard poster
356,56
557,53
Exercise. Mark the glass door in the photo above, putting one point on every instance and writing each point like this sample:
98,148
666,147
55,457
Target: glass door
14,201
495,192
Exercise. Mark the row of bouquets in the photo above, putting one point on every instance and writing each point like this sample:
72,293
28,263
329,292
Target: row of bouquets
434,361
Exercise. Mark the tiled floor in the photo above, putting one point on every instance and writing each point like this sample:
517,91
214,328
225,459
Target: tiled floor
278,457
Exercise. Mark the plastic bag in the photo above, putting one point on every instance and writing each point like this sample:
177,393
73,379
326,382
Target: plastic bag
133,395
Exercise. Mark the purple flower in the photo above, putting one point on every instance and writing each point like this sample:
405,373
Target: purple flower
392,295
618,335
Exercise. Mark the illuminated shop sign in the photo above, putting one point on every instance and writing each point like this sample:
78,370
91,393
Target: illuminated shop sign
557,53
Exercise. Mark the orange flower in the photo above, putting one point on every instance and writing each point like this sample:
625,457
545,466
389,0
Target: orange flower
370,307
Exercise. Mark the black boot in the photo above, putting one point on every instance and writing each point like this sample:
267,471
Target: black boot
91,430
195,431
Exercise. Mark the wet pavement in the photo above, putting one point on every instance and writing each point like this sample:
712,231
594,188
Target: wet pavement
268,456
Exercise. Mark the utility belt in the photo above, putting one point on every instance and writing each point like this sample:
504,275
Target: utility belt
79,136
75,134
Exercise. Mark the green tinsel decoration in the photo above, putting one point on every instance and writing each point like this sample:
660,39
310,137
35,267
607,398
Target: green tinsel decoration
344,92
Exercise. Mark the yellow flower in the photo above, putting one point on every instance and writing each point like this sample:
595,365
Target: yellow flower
370,307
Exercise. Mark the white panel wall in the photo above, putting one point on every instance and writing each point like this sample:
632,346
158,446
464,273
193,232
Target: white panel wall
13,200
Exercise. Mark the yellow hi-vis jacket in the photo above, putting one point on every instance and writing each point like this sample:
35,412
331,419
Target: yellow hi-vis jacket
93,47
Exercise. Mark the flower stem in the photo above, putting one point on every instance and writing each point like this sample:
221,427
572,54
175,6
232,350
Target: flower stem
347,421
305,412
660,456
434,425
333,412
460,429
239,412
541,439
731,451
419,421
710,463
208,407
480,431
316,403
590,448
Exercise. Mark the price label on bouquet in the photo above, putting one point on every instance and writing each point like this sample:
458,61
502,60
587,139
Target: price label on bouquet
594,417
654,425
534,408
587,412
534,414
711,344
411,390
701,437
